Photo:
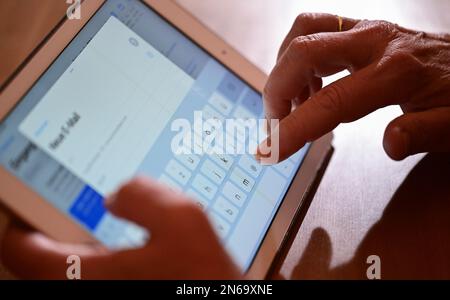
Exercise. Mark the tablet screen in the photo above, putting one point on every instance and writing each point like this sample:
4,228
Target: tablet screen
115,103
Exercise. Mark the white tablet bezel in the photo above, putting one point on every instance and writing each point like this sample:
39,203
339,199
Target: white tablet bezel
39,213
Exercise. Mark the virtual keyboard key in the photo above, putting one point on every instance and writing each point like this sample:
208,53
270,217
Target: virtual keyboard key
189,160
223,160
250,165
204,186
178,172
221,104
198,199
170,183
234,194
226,209
242,180
210,114
213,172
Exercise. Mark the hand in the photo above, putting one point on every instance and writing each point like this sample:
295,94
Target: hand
182,245
388,65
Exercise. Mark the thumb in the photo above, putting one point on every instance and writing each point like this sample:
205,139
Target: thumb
417,132
142,201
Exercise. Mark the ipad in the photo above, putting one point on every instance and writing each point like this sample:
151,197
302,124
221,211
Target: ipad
100,101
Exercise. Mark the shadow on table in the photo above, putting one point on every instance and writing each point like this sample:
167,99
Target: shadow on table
412,237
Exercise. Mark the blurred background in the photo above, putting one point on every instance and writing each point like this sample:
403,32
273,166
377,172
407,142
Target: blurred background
254,27
357,202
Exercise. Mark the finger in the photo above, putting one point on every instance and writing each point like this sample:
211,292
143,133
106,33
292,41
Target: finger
417,132
383,83
144,202
32,255
309,23
314,86
312,56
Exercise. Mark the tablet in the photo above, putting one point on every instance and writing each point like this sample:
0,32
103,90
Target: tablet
99,103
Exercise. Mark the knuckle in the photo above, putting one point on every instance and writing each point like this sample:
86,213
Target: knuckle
404,63
297,45
301,43
303,21
362,25
300,46
419,36
400,58
383,29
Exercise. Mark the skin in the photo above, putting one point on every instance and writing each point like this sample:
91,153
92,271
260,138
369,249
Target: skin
183,244
388,65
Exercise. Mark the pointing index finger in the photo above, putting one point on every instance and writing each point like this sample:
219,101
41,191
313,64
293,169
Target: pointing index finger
309,57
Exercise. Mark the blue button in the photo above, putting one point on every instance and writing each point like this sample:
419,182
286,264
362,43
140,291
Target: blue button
88,207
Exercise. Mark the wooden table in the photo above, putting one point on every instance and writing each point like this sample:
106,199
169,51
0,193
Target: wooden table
365,204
